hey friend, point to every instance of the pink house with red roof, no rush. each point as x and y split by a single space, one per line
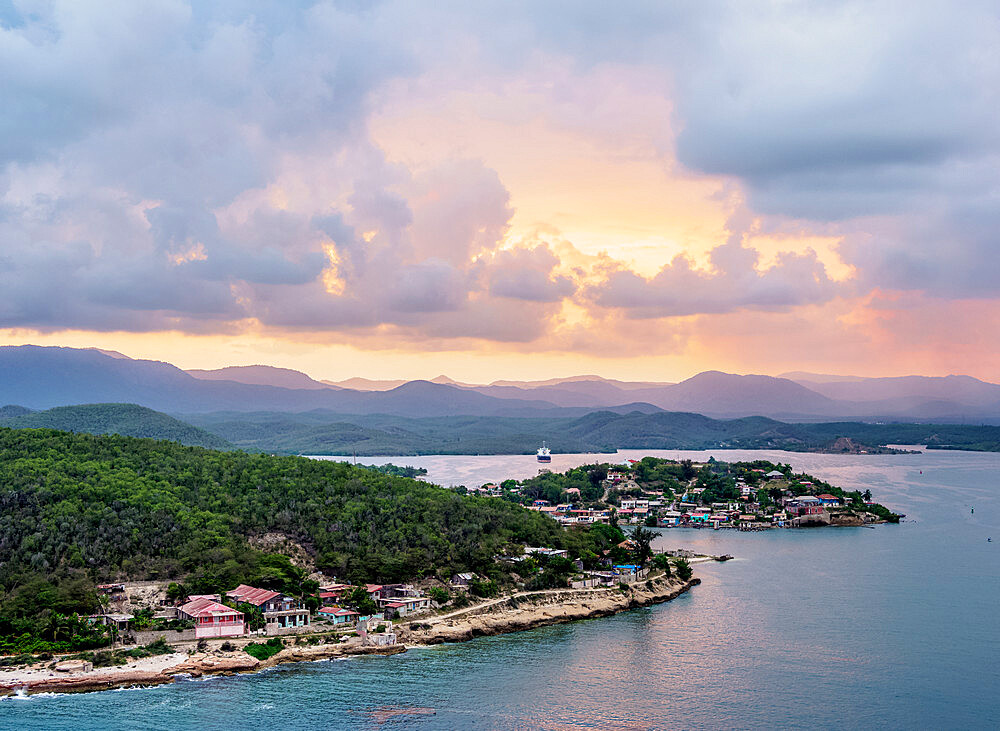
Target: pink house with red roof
212 619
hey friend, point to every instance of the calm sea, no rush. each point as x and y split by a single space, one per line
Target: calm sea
889 627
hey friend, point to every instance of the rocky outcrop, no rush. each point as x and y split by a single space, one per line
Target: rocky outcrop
544 609
198 665
309 653
86 683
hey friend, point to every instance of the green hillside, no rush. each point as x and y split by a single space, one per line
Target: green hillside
76 509
126 419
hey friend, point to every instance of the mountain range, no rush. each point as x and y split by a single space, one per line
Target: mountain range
45 377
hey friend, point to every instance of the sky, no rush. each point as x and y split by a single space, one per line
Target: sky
520 189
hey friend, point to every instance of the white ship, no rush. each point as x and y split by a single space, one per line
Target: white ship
543 454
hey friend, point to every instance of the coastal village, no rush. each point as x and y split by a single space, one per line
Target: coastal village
652 492
658 493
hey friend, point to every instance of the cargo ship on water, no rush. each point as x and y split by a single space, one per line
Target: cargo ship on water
543 454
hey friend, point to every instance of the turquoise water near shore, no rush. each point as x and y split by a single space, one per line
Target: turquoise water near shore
891 626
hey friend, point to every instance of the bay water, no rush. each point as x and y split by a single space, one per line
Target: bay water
893 626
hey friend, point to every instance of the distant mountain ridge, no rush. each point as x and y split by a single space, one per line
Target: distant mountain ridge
44 377
261 375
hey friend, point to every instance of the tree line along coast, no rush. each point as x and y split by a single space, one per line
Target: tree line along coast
109 538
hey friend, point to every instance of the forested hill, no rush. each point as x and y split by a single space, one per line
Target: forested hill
79 507
126 419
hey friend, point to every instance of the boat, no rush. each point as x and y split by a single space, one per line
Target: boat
543 454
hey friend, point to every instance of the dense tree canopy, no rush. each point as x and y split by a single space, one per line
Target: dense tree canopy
78 506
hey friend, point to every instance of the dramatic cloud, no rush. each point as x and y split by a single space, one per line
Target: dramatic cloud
397 173
733 283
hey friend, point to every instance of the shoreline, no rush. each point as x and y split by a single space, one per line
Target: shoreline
516 613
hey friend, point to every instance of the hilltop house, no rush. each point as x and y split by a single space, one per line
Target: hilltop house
400 600
212 619
279 611
115 592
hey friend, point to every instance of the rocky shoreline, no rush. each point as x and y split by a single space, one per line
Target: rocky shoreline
543 608
514 614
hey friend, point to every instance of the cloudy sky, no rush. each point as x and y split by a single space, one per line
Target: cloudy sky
505 190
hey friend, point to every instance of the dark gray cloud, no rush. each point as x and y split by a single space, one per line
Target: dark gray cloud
152 156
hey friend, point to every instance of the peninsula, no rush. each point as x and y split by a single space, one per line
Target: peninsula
135 561
664 493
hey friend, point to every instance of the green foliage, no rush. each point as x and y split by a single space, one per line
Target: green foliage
129 508
683 569
439 594
126 419
360 601
264 650
662 561
253 618
485 589
396 470
642 540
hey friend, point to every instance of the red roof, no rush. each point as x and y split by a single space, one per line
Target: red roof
204 607
828 497
371 588
339 611
252 595
395 605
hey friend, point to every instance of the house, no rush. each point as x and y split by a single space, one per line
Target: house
404 606
279 611
339 615
264 599
210 597
775 475
670 517
117 621
828 499
804 505
115 592
462 579
212 619
328 595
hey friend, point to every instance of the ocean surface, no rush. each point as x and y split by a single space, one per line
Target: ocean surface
888 627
